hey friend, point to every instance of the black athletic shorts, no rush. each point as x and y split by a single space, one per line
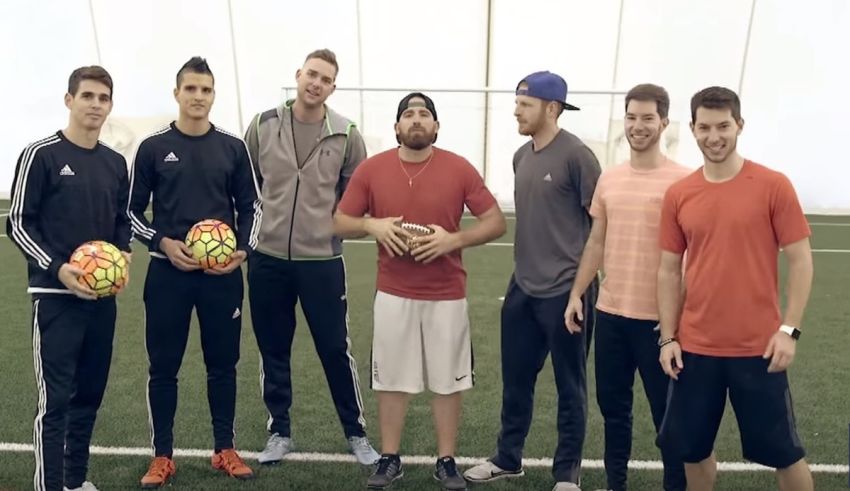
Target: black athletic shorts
761 401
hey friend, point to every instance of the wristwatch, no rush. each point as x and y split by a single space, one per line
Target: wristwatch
791 331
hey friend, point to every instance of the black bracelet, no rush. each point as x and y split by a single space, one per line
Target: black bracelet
664 342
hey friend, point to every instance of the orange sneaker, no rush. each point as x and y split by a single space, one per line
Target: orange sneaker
159 472
230 462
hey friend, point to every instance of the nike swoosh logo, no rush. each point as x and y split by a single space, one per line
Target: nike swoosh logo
458 379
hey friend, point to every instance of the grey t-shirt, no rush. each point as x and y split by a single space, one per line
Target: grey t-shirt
306 138
552 192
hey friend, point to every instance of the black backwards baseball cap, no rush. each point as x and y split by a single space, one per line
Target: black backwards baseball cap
406 103
547 86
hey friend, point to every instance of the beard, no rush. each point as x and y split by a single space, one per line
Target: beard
717 158
640 146
417 138
531 127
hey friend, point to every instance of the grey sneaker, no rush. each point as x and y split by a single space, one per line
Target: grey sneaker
566 486
276 447
388 470
445 471
362 449
86 486
489 471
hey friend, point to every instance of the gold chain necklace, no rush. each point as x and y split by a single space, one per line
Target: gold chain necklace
409 177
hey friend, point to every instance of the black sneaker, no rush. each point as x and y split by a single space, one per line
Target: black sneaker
445 471
387 470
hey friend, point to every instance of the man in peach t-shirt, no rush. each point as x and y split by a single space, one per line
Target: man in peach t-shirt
727 334
626 211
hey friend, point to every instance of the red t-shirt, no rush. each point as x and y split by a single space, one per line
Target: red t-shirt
732 232
379 187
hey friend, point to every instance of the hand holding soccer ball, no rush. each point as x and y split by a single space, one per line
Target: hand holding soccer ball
96 269
212 244
179 254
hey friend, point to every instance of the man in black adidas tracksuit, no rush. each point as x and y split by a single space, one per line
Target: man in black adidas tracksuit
69 188
195 171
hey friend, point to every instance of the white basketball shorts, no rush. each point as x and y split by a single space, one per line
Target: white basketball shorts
421 342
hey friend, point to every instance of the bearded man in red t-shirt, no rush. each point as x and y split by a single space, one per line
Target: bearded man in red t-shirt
415 197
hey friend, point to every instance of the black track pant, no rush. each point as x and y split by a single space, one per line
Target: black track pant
275 286
72 350
170 295
533 328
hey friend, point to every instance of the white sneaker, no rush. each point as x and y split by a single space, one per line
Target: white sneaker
86 486
489 471
276 447
362 450
566 486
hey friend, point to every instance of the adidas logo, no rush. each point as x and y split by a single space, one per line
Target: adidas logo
236 313
67 171
547 177
171 158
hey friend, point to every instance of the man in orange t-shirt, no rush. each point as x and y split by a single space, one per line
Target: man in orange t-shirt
421 323
626 211
726 334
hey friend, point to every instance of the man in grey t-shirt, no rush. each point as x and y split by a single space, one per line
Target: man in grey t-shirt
556 175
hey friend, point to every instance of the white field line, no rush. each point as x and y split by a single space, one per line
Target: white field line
417 459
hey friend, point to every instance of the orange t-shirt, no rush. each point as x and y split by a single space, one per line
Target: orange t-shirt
630 201
437 195
732 232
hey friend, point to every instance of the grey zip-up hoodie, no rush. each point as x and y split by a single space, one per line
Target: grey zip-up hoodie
298 204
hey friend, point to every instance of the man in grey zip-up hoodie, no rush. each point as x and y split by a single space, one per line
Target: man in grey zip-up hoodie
305 154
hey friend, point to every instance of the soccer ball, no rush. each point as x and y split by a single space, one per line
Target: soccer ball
212 243
104 265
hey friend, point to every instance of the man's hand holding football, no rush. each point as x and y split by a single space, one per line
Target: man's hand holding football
430 247
388 232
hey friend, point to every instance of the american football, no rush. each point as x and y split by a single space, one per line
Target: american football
415 230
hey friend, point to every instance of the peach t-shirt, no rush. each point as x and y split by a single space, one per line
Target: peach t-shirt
630 200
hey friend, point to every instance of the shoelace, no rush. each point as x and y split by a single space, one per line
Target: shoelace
448 468
159 467
277 441
232 460
384 465
360 443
